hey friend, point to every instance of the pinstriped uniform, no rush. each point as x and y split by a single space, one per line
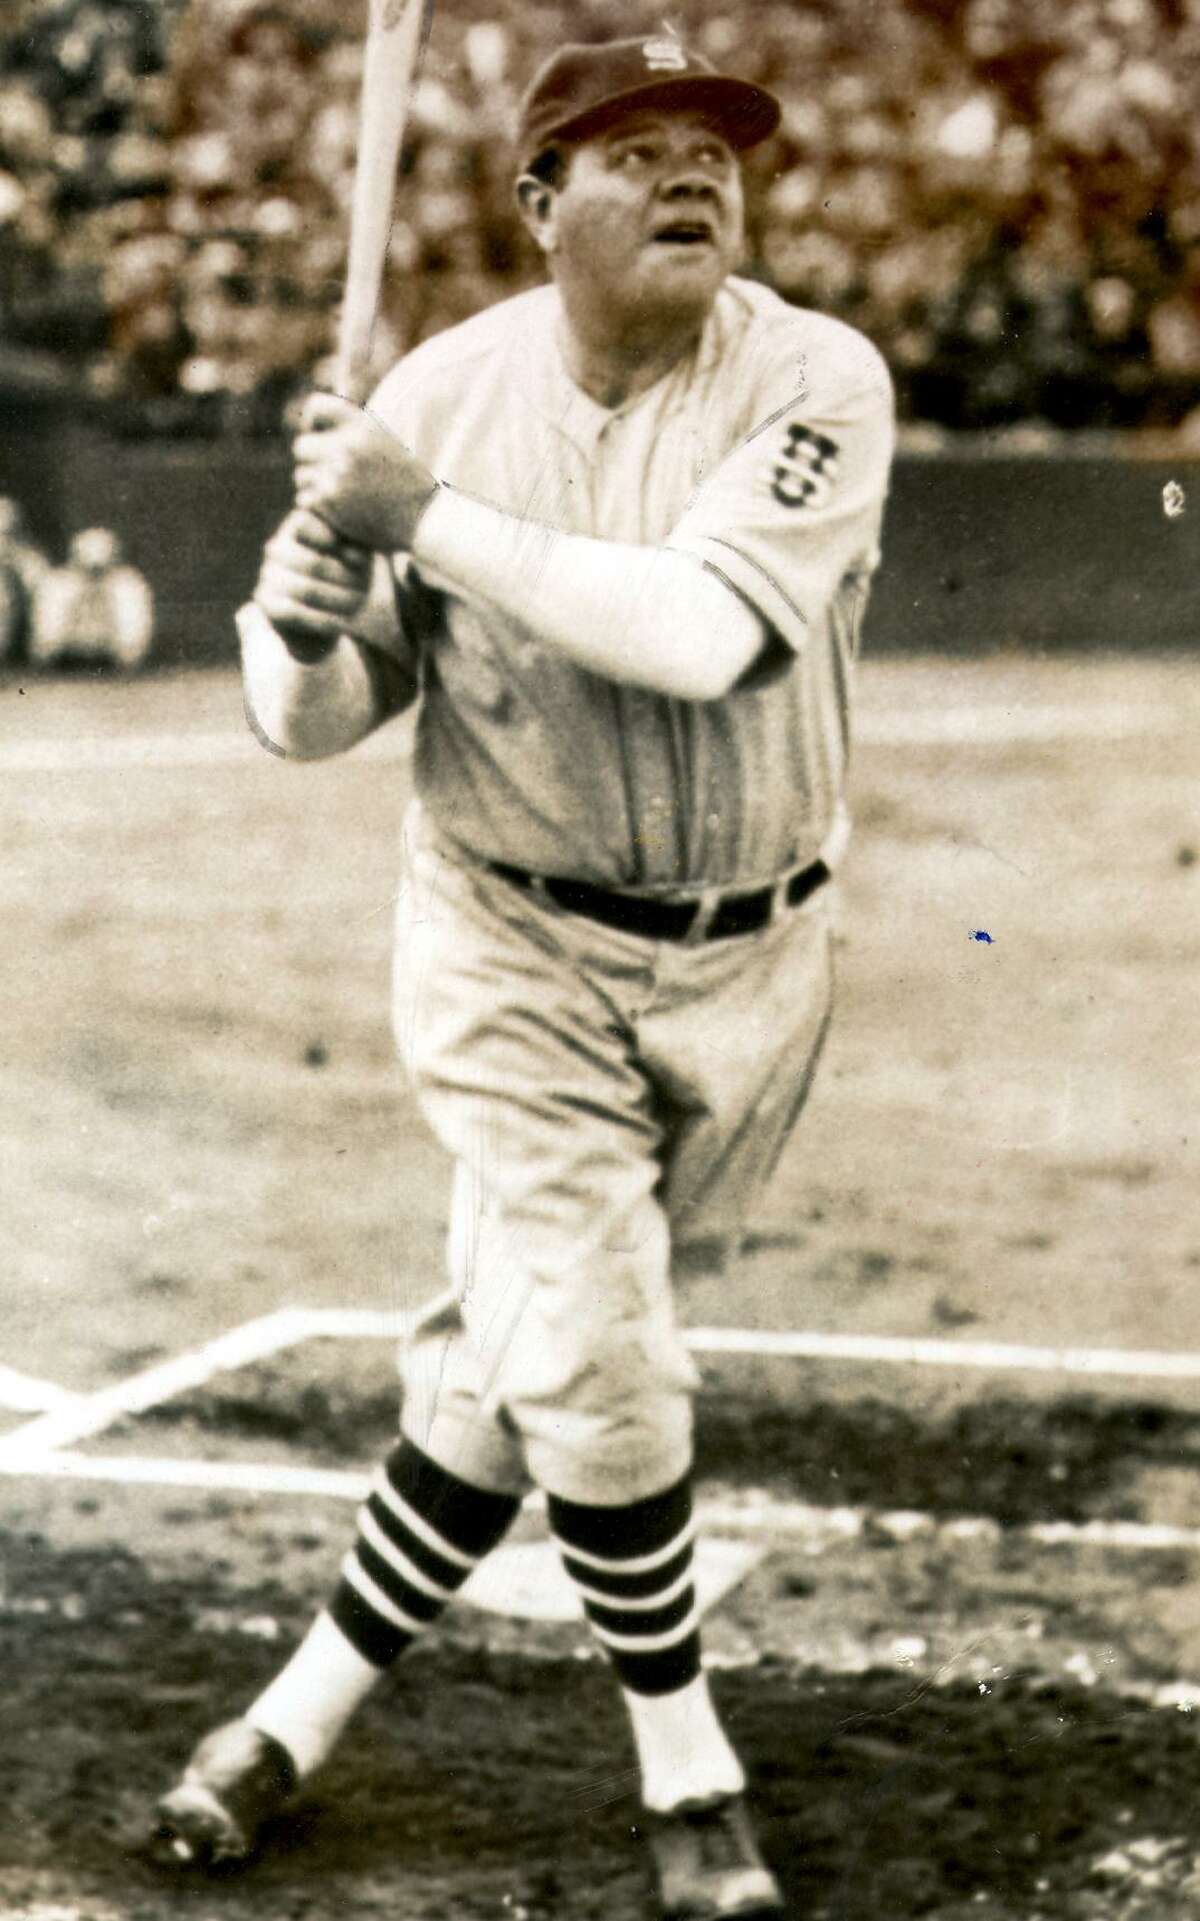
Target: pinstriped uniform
604 1094
766 453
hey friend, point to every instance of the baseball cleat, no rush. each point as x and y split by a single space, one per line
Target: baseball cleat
708 1864
237 1779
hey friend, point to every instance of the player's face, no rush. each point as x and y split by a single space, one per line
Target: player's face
649 217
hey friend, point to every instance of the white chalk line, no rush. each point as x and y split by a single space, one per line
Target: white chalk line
801 1344
23 1394
87 1415
964 725
79 1417
43 1448
998 1355
786 1520
215 1477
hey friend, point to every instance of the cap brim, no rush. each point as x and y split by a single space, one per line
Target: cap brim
744 114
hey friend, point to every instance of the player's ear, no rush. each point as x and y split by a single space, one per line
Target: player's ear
537 202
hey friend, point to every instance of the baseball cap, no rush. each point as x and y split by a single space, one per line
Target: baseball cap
581 90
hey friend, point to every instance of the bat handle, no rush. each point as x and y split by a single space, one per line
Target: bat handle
352 381
353 378
309 648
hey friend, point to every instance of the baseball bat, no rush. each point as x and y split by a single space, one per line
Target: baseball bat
397 32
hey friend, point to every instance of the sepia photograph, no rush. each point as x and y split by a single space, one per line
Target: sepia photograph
600 859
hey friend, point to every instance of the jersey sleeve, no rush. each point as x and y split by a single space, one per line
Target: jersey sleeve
53 610
798 504
133 607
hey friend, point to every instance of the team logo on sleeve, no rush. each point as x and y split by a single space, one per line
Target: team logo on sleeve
806 469
665 55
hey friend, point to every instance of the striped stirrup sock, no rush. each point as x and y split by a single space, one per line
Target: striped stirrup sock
421 1531
633 1569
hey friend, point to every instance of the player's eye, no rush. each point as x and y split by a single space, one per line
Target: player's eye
640 154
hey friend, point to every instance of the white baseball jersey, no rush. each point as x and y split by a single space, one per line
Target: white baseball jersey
110 617
765 453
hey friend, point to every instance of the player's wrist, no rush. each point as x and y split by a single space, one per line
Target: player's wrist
429 507
459 537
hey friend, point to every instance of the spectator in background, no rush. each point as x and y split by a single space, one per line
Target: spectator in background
1004 194
96 611
80 130
23 566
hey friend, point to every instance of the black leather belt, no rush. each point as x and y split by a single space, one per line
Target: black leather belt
668 919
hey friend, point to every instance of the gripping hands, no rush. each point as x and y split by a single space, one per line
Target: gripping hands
358 475
359 491
313 585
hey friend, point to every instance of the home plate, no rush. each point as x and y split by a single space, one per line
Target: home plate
528 1581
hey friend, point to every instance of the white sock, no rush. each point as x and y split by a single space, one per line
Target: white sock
682 1748
310 1700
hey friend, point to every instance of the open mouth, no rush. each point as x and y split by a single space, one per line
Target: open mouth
685 233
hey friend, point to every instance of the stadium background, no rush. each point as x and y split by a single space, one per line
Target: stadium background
1006 198
949 1713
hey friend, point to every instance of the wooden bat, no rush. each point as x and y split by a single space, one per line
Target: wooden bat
397 32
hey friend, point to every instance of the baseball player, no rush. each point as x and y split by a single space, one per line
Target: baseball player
630 521
96 611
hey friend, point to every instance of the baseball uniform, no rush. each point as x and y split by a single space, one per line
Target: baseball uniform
613 969
94 609
605 1092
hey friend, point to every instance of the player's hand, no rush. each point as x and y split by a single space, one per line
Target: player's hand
313 585
358 476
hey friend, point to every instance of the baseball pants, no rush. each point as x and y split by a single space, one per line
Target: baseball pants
603 1096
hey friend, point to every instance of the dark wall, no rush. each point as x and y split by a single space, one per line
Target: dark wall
192 514
1045 551
981 551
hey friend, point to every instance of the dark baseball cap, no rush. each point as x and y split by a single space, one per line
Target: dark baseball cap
582 90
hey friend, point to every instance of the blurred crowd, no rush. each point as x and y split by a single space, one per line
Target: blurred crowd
1004 194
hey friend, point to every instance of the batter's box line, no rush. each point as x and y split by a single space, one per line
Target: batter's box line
84 1416
361 1324
81 1417
24 1394
44 1448
815 1528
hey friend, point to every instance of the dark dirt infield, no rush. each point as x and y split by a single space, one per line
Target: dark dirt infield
487 1784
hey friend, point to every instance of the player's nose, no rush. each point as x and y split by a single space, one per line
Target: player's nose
689 179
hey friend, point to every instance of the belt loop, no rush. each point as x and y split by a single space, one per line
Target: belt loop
779 897
706 907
